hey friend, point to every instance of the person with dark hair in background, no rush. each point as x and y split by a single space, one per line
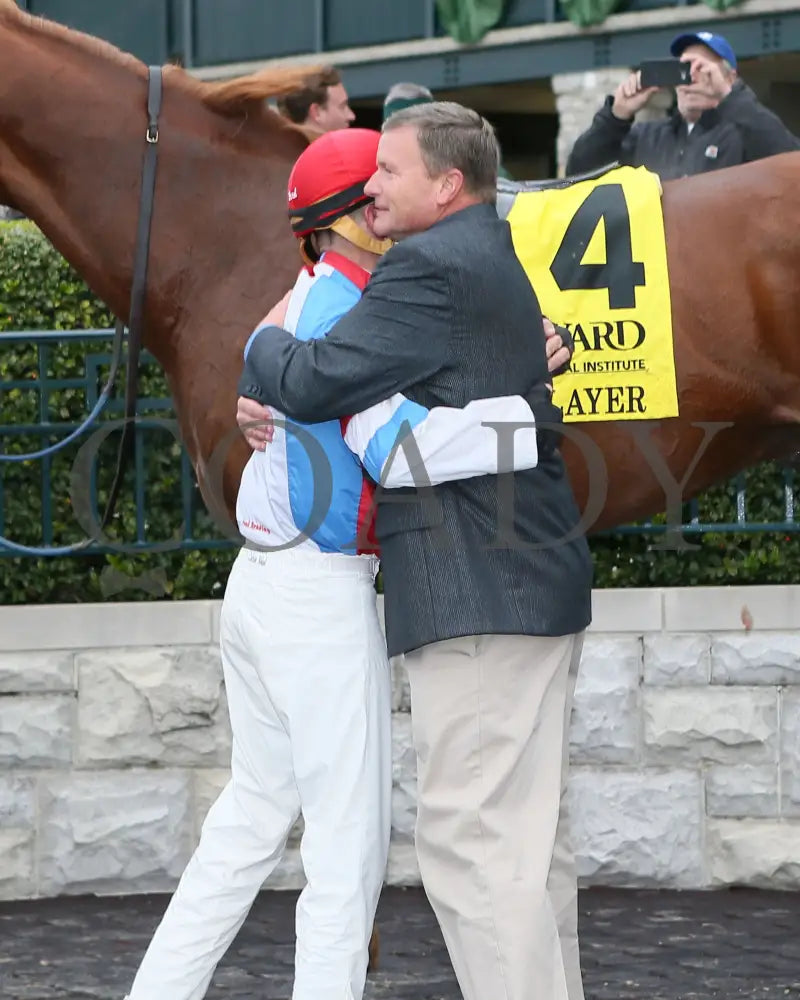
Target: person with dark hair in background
322 105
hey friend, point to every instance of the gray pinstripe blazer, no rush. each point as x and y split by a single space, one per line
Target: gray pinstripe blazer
448 316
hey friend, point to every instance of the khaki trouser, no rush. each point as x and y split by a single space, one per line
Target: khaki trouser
490 717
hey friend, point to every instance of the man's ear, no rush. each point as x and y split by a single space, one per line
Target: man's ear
313 112
451 185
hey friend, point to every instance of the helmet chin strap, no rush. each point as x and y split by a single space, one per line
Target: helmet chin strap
350 231
353 233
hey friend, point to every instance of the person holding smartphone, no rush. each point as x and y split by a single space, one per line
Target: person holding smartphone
717 120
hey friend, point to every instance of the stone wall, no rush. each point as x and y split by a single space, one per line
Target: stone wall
114 741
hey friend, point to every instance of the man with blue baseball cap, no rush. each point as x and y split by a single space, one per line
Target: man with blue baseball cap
717 120
719 45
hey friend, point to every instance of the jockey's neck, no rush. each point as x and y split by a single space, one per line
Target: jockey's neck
357 255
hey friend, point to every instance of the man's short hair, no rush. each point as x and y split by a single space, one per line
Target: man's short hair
405 95
452 136
296 105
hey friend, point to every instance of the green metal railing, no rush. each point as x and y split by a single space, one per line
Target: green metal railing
39 407
693 524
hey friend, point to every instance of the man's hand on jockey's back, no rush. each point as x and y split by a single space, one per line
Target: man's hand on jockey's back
255 420
558 345
255 423
277 314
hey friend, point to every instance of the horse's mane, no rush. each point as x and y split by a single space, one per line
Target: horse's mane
228 97
9 11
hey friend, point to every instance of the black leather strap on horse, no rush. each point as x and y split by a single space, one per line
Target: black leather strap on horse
138 287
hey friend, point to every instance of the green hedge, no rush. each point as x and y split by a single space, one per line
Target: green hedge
38 290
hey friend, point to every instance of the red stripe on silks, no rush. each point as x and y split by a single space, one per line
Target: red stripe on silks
367 543
352 271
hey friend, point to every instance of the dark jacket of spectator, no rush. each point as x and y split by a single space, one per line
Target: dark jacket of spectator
738 130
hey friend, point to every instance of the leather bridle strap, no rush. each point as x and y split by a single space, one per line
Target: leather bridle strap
138 287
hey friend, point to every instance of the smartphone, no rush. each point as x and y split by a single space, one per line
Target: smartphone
665 73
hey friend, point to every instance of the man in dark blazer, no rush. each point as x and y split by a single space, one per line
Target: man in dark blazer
487 581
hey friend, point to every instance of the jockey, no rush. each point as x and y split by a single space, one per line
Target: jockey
306 670
329 216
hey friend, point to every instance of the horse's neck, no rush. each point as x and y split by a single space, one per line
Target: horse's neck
70 154
72 142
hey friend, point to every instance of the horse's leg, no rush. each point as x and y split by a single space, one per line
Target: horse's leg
374 949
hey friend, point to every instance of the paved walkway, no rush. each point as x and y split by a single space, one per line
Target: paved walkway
637 945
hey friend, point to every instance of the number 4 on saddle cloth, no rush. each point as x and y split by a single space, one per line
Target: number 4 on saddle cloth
594 250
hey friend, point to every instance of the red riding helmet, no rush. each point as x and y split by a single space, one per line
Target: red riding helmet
327 184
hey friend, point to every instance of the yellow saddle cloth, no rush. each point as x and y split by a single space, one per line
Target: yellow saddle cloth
596 256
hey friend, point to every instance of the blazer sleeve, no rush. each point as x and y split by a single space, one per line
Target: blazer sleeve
395 336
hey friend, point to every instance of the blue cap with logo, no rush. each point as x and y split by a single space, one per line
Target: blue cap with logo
716 43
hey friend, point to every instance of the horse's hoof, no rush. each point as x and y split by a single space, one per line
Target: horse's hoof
374 949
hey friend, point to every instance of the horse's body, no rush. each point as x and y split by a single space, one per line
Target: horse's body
72 128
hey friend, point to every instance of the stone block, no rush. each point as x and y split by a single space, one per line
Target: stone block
37 672
403 868
742 790
164 706
17 800
756 658
676 659
635 610
595 82
404 780
215 611
17 864
36 730
17 837
401 692
117 831
605 719
714 724
790 753
111 624
760 853
637 828
726 609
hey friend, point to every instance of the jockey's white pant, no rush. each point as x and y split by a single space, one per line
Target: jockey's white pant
308 687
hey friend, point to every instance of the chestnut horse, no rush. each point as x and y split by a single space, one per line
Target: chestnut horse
72 124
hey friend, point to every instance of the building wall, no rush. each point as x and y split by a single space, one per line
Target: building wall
114 742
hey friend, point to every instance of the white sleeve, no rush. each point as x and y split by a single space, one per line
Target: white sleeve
401 443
